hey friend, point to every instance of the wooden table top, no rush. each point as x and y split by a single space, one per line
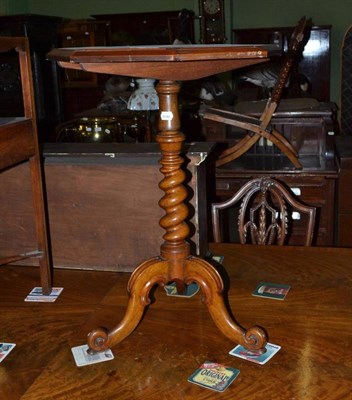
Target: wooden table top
186 62
313 324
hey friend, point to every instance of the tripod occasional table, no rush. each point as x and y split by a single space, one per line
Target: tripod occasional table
169 65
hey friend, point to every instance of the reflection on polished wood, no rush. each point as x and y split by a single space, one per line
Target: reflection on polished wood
175 263
313 326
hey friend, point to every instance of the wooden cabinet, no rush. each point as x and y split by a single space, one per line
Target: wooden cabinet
308 125
81 90
143 28
103 203
344 211
82 33
76 99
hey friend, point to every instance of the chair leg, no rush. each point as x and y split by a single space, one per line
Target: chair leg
41 223
284 141
255 133
237 150
248 141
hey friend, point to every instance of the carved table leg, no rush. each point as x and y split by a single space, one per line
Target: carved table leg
148 274
175 263
209 280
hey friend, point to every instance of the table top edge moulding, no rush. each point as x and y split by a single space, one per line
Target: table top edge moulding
202 60
170 64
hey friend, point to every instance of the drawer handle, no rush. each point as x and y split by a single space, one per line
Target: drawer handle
223 186
296 190
296 215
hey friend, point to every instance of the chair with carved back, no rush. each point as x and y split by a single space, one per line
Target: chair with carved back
19 144
265 214
257 128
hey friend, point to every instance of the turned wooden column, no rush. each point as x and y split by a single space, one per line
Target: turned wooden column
175 248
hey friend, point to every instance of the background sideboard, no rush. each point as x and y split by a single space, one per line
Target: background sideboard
103 204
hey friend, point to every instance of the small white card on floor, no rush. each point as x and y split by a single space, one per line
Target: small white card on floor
218 259
5 349
36 295
82 357
258 358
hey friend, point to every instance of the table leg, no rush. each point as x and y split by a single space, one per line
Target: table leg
175 264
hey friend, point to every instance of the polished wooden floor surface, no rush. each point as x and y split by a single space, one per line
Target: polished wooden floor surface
313 326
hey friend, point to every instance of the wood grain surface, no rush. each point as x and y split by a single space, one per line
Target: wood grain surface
312 325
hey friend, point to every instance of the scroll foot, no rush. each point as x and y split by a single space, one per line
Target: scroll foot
142 280
200 271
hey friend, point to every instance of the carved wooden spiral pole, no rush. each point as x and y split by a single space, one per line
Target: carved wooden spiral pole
175 249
